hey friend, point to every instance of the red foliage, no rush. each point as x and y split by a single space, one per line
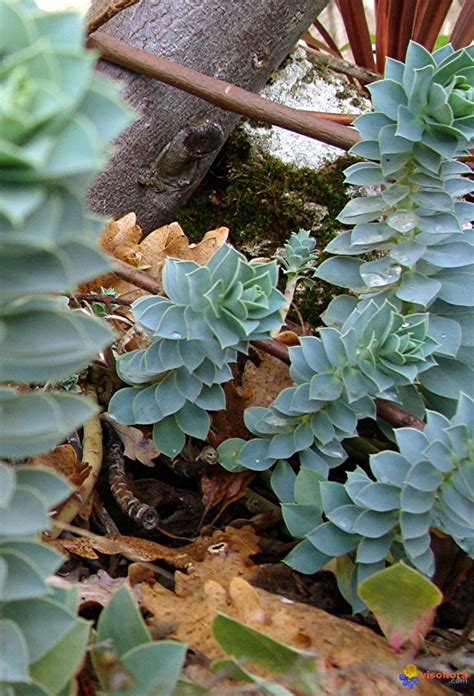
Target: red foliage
396 23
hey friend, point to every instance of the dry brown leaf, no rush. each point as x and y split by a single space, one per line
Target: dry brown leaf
349 658
227 555
133 548
180 248
121 238
98 588
62 459
137 447
266 381
78 546
230 421
171 241
223 487
153 249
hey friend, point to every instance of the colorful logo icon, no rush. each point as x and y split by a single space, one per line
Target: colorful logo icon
409 677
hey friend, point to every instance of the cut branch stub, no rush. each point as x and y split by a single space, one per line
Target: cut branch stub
181 160
240 42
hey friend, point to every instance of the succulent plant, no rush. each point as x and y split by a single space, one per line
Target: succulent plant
336 378
423 120
38 625
210 313
428 483
57 117
297 257
131 661
297 262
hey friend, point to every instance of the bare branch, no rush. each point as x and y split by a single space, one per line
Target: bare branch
396 416
104 298
139 278
386 410
110 11
364 75
220 93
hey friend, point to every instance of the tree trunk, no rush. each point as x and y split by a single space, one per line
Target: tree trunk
163 156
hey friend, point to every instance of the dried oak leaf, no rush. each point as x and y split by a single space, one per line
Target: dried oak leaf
63 459
137 447
230 421
121 238
264 382
134 549
227 554
349 658
171 240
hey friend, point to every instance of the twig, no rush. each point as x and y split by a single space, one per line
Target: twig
222 94
113 9
465 636
386 410
364 75
93 297
91 455
139 278
275 348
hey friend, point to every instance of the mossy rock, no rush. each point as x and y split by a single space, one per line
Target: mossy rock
262 200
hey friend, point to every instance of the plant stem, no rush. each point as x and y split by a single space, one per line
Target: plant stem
291 282
397 416
92 455
275 348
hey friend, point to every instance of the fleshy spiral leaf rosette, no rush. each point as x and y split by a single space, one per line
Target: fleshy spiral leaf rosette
428 483
29 654
57 120
417 222
57 116
336 378
210 313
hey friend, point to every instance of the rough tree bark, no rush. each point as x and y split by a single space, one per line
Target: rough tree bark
164 155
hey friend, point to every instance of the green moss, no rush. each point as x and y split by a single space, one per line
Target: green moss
263 200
